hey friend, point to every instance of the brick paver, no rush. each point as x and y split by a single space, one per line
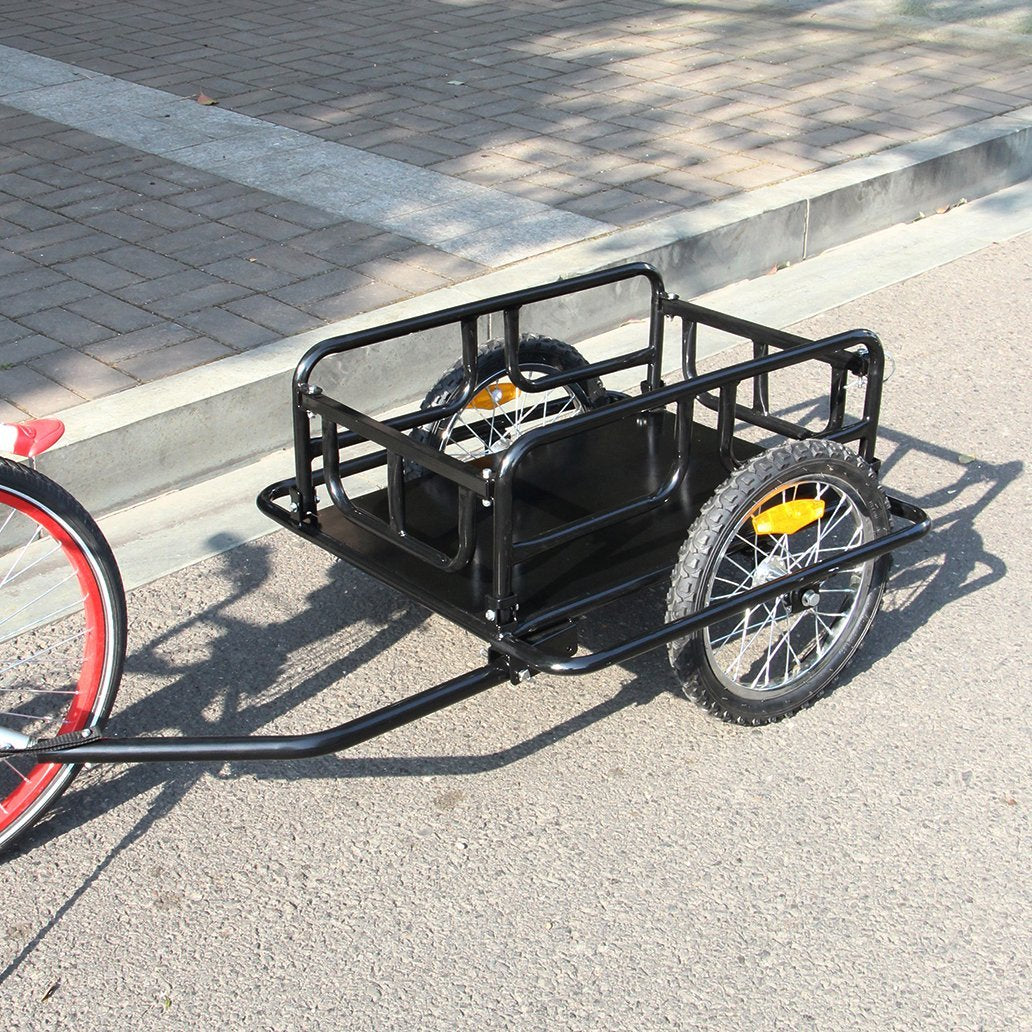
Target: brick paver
621 111
152 287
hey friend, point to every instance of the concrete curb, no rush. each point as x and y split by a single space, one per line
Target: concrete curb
182 526
176 431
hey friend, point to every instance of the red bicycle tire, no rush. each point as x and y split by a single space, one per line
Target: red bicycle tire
72 547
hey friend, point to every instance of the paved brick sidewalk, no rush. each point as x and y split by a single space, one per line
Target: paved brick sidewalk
119 266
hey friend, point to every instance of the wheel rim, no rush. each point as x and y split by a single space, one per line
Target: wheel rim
499 412
774 647
54 647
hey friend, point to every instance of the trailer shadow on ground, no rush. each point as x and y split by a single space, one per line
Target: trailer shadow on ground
248 677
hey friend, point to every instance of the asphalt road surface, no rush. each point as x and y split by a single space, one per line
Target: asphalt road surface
588 854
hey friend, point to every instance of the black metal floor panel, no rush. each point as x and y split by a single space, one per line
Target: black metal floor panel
586 473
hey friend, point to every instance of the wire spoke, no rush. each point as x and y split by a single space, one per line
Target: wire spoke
505 420
772 651
736 586
769 647
748 573
43 594
24 689
35 657
12 576
20 716
740 628
7 763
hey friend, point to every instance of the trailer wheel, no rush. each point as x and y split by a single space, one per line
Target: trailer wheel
498 412
790 507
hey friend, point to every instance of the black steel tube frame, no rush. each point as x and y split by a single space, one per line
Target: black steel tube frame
866 359
857 351
507 551
918 524
498 484
868 362
465 315
285 747
511 655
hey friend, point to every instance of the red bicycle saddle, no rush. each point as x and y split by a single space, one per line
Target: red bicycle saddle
30 438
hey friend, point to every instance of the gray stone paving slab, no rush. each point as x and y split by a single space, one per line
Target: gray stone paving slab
175 358
365 187
158 255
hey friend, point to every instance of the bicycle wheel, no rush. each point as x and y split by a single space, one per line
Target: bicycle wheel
788 508
62 634
498 412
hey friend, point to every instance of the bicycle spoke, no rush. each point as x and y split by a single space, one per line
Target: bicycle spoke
43 594
20 716
769 647
504 422
12 576
17 559
36 656
15 769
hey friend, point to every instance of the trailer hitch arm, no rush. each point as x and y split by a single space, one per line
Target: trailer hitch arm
269 747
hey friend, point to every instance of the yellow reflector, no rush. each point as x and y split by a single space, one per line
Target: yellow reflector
788 517
493 396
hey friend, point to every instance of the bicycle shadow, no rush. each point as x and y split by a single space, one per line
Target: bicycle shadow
245 654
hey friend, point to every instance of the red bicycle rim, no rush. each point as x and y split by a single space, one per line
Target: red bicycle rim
42 775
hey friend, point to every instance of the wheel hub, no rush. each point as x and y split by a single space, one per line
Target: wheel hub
770 569
805 598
